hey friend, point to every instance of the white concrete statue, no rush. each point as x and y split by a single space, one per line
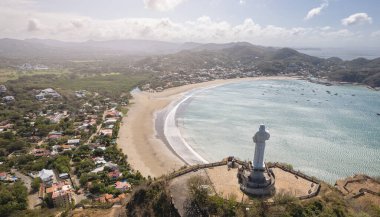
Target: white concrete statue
259 139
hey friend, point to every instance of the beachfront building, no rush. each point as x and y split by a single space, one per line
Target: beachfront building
106 132
113 113
122 186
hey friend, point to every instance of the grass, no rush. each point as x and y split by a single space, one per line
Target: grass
111 85
7 74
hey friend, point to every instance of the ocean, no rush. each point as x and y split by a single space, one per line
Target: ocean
343 53
329 132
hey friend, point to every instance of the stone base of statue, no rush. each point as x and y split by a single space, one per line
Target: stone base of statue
256 182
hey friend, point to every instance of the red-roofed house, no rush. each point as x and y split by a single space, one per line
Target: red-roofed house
55 135
114 174
122 186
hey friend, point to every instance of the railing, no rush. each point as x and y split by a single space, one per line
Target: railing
194 168
243 163
309 178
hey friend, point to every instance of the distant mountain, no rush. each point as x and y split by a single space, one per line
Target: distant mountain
190 56
13 48
45 48
266 60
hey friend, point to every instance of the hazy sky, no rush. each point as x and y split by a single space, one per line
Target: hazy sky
312 23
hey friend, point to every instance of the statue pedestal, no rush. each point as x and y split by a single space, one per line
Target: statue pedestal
256 182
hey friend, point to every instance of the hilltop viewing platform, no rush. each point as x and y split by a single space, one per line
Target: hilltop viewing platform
224 181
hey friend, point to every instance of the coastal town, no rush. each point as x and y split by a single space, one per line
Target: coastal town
66 156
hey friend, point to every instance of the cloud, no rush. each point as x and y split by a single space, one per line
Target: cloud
376 33
162 5
242 2
29 22
33 25
358 18
316 11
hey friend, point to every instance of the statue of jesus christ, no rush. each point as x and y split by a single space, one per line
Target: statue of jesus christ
259 139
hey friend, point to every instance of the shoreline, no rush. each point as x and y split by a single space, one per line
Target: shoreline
139 138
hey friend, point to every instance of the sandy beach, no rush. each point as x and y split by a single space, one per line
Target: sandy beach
138 138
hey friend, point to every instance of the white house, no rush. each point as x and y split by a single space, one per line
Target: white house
46 175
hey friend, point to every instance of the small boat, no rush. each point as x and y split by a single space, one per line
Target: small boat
378 114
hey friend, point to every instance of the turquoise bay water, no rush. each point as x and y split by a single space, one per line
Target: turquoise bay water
325 131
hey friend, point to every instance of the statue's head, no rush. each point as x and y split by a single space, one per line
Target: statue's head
262 127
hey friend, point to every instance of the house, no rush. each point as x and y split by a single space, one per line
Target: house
3 89
39 152
6 177
48 92
113 113
99 161
3 176
101 199
80 93
55 149
108 196
110 165
110 121
105 198
66 147
46 175
114 174
63 176
73 141
56 118
106 132
55 135
8 99
96 170
110 126
102 148
34 139
6 126
40 97
122 186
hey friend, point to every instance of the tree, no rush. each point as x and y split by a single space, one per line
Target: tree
36 184
98 188
85 166
12 198
98 152
62 164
